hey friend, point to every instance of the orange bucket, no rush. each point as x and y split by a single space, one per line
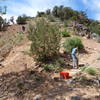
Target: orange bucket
64 75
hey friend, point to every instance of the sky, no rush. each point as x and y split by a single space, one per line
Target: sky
30 7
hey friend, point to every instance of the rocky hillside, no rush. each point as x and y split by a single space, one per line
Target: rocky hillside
22 78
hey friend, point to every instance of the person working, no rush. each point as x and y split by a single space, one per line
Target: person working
74 57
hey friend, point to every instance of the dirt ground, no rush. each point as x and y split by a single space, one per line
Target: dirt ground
93 53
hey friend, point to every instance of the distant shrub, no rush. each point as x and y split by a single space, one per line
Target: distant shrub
95 27
72 43
45 40
51 18
3 24
21 20
41 14
65 33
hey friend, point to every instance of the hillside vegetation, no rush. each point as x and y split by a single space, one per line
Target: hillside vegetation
79 21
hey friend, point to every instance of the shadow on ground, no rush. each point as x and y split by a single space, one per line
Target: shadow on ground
26 84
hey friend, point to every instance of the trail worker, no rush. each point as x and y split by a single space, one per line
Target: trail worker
74 57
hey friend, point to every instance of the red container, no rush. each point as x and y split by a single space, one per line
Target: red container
64 75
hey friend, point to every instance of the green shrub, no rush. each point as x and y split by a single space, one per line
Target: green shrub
72 43
89 70
65 34
45 40
21 20
98 58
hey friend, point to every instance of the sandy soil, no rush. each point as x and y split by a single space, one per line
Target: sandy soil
93 53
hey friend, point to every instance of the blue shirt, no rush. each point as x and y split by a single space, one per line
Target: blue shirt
74 51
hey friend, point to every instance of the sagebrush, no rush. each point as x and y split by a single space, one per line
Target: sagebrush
45 40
